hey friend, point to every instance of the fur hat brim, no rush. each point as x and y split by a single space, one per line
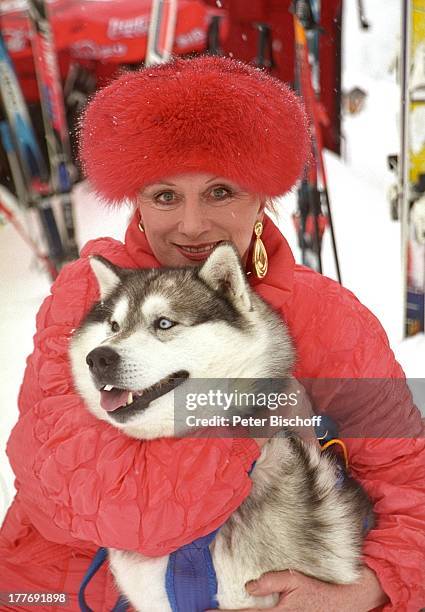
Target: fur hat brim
207 114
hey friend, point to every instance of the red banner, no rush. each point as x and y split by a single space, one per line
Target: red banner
106 31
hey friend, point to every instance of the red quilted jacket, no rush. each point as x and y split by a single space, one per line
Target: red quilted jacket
81 484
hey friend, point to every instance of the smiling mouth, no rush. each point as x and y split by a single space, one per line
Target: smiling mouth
121 404
199 248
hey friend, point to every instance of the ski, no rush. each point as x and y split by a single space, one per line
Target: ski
314 208
14 165
162 27
415 301
411 166
10 216
29 171
18 117
54 118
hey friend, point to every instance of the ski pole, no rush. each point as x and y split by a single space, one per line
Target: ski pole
303 15
325 195
362 17
308 194
264 58
213 36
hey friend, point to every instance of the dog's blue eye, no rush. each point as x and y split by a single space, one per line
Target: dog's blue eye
163 323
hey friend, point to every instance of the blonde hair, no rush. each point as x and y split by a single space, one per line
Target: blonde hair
272 206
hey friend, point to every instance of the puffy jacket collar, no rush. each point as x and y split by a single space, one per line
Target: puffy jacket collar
137 245
275 288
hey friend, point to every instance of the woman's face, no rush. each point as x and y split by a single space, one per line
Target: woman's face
185 216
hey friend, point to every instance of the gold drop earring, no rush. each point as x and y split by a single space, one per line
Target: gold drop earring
259 256
141 228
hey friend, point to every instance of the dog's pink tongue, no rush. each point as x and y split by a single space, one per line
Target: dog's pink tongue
111 400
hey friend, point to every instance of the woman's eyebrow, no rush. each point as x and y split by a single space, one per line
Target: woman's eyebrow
158 184
222 179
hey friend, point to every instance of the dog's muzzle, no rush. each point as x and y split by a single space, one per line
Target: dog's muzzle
122 403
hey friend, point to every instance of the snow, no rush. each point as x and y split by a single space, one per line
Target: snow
368 241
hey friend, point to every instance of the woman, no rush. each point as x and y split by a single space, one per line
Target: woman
200 147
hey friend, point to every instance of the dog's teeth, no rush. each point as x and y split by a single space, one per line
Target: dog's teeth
108 387
130 398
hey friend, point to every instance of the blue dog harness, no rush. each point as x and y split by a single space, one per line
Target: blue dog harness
99 558
190 580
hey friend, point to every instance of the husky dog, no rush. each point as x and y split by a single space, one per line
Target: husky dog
151 332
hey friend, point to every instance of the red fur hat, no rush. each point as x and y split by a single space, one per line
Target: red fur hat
207 114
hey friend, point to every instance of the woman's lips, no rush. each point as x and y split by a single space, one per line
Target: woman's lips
197 252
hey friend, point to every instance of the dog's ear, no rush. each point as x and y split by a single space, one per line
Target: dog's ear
223 272
107 275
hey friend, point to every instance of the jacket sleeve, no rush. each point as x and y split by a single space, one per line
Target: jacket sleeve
384 432
393 473
81 479
391 468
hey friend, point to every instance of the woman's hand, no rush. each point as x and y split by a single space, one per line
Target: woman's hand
300 593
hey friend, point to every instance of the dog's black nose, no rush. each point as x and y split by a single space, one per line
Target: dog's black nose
102 360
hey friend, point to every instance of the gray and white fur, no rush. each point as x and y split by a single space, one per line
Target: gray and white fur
171 325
